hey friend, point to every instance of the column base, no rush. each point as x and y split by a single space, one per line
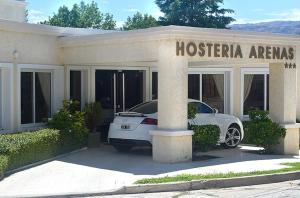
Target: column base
172 146
290 144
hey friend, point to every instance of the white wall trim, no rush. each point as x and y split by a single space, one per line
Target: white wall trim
6 65
40 66
52 69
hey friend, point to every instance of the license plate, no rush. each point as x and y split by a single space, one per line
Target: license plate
125 127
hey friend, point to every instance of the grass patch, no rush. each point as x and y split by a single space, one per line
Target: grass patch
188 177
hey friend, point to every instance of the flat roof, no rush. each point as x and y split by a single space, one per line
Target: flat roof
13 26
79 35
184 33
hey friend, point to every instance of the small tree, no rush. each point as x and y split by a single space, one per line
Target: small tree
82 16
93 115
194 13
140 21
71 124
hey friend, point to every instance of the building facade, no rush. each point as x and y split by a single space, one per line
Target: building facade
232 71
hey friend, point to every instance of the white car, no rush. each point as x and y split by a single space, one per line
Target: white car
132 128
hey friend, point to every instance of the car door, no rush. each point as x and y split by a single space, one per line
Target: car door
205 115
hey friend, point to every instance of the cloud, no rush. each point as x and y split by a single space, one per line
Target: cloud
157 13
131 10
258 10
286 15
104 1
120 24
35 16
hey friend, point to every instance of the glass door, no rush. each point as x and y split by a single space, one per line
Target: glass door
118 91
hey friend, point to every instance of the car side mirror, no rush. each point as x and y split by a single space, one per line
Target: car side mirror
215 111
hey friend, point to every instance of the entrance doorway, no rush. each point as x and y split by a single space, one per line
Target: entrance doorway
118 91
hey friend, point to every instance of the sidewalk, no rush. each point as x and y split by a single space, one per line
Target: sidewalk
104 169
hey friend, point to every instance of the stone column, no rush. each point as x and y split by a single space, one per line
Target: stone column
172 142
283 103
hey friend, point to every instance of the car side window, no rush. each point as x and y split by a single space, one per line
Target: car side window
203 108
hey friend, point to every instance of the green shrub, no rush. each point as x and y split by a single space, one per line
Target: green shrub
261 131
192 110
205 137
93 114
71 124
246 139
26 148
3 164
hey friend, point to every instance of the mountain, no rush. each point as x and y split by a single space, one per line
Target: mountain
282 27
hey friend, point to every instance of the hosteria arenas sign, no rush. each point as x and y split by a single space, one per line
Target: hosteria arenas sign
235 51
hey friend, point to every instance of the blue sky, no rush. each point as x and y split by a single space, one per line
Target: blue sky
246 11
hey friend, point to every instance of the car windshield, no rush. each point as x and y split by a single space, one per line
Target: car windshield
202 108
145 108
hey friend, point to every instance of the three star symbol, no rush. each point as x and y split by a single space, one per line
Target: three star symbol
290 66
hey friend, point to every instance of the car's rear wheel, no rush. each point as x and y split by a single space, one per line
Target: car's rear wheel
122 148
233 137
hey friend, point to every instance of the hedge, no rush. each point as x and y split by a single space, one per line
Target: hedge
205 137
3 164
20 149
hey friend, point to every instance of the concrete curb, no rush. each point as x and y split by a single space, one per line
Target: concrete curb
40 163
187 186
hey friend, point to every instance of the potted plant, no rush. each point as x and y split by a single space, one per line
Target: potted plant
93 115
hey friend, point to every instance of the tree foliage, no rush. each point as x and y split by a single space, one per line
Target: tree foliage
82 16
194 13
140 21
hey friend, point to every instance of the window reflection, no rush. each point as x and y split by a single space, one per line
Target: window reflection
253 92
213 91
35 97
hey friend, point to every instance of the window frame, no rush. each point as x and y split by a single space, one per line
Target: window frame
253 71
34 71
228 73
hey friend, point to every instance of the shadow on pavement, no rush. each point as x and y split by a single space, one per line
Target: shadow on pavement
139 161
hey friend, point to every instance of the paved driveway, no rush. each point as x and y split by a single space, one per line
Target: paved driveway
104 169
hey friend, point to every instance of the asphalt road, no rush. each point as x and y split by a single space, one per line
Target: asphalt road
289 189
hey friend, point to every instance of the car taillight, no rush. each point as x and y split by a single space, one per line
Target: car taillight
149 121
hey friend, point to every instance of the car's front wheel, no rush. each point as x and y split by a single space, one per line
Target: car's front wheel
122 148
233 137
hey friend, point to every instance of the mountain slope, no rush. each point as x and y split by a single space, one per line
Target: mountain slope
282 27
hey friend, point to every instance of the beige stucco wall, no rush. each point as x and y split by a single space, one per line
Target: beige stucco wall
13 10
110 53
31 48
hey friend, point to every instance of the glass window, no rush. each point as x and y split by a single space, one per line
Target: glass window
209 88
42 96
254 92
75 85
26 97
35 97
194 86
134 88
213 91
154 85
146 108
